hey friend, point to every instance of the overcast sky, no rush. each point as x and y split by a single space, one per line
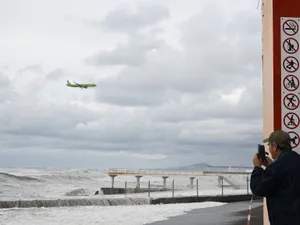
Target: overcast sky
178 82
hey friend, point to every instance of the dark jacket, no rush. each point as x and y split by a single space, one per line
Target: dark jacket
280 184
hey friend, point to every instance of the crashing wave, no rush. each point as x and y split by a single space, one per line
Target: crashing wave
78 192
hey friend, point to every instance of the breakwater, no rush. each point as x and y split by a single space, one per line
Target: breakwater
74 202
120 201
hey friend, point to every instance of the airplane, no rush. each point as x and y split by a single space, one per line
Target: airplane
80 85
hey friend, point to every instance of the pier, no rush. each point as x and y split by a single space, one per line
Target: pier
114 172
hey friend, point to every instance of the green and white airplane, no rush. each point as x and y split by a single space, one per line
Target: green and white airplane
76 85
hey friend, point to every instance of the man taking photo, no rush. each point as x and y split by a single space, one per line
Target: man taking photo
279 182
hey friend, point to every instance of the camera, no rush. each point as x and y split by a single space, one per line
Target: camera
262 153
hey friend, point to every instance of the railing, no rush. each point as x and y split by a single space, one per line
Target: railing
209 186
224 172
128 172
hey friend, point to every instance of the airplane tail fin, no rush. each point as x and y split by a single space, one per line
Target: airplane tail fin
68 82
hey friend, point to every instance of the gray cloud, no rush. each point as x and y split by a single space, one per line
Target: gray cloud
55 74
126 19
167 106
209 65
131 54
7 94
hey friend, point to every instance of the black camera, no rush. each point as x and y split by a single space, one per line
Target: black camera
262 153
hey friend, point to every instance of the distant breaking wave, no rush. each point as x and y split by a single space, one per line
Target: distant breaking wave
41 177
65 176
20 178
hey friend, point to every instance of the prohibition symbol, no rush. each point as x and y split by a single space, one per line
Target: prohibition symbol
291 83
290 27
295 139
291 120
291 101
291 64
290 46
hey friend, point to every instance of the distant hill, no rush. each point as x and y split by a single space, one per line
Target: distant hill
191 168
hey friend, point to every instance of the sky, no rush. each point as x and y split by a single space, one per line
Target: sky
178 83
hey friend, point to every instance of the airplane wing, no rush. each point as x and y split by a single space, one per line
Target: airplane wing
77 84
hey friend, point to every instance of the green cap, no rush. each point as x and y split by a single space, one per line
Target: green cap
280 137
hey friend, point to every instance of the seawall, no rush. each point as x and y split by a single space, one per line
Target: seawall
121 201
74 202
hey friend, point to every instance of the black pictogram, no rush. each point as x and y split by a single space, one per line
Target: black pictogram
295 139
291 64
290 45
290 27
291 83
291 101
291 120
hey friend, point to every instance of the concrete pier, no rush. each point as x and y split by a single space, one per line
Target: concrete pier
119 191
165 182
138 182
192 182
112 180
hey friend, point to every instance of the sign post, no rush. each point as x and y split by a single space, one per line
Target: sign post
281 70
290 58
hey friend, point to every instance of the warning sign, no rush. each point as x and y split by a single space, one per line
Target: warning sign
291 101
290 64
290 27
290 45
295 139
291 120
291 83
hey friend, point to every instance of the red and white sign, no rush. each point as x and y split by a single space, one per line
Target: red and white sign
291 121
295 138
290 78
291 83
290 27
290 45
291 64
291 101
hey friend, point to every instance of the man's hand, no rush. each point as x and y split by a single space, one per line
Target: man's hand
266 164
257 161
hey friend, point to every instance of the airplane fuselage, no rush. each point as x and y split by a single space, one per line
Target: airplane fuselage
76 85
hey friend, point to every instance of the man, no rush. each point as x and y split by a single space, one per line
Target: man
280 181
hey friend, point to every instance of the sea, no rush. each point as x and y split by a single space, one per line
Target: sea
51 186
49 183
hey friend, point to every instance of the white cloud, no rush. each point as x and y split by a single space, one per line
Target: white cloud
234 97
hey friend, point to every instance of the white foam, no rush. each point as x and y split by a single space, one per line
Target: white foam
114 215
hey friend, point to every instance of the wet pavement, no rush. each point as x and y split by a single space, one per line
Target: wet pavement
229 214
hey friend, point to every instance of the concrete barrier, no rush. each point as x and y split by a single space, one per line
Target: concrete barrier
47 203
191 199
